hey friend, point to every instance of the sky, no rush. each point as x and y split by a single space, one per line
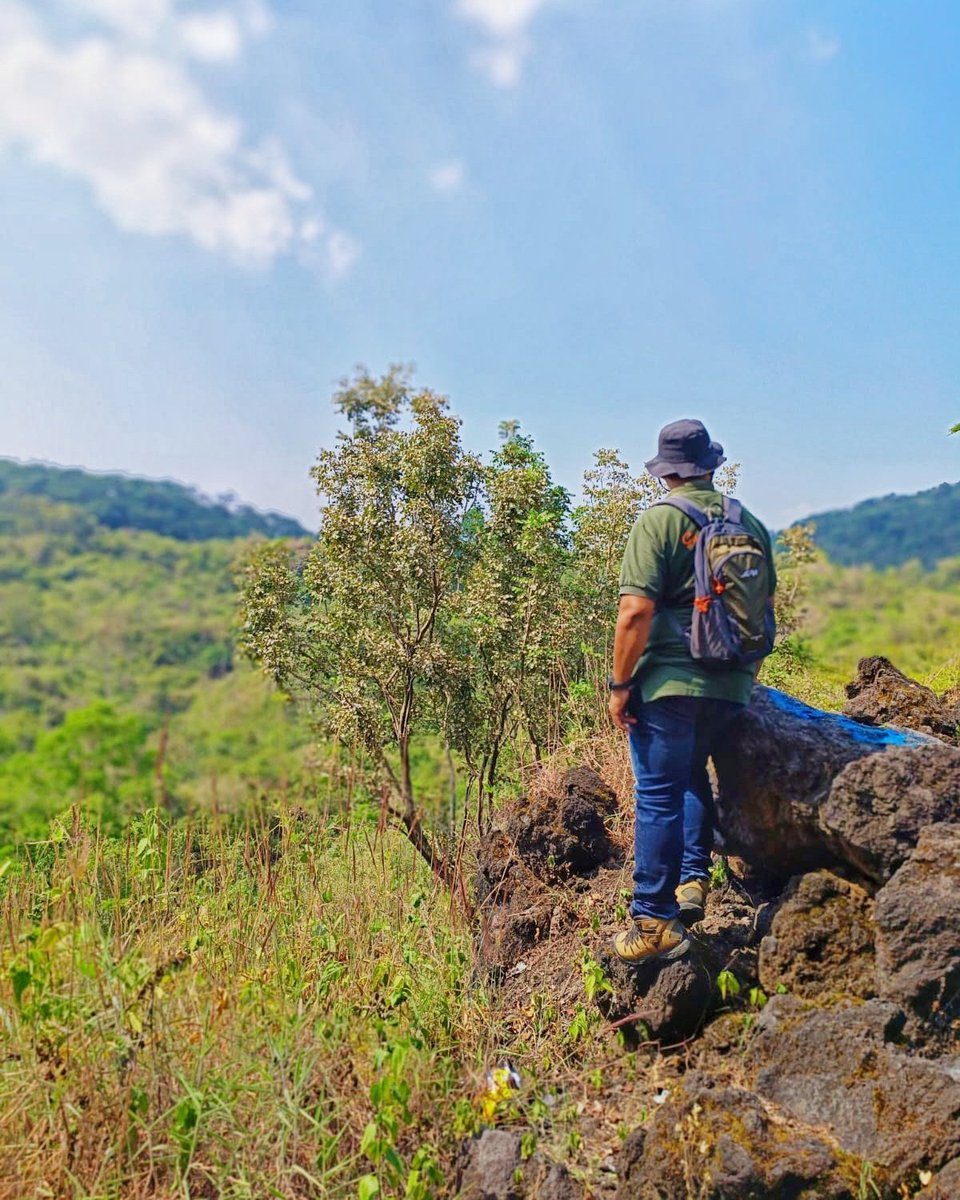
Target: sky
591 216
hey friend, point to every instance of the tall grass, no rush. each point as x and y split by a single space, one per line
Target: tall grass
283 1007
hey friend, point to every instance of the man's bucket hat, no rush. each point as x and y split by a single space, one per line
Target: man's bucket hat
685 449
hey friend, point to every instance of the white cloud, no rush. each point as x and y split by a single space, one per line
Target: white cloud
505 24
211 36
118 109
822 47
447 178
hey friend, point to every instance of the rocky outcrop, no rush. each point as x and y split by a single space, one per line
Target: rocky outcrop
882 695
776 769
878 805
731 1144
840 1069
845 912
801 789
918 932
821 940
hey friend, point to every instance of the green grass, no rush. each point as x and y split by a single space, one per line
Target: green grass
910 615
275 1008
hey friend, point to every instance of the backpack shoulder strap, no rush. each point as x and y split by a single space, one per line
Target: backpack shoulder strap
732 510
693 511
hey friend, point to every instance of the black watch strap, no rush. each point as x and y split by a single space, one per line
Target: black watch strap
619 687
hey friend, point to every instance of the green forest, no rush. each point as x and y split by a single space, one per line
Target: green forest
894 530
244 773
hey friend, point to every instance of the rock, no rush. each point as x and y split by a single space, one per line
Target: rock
726 1141
775 770
560 831
882 695
554 1182
672 999
821 940
837 1068
489 1165
946 1183
918 930
878 805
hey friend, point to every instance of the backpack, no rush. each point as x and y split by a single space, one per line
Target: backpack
733 623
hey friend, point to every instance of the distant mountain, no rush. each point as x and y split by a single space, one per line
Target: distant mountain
123 502
891 530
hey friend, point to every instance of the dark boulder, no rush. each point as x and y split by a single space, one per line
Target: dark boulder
775 770
821 940
918 931
840 1069
559 831
725 1140
882 695
671 999
878 805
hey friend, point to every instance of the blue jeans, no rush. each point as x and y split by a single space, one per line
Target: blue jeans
669 746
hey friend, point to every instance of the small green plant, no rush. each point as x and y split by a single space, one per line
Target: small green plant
595 981
719 872
728 984
757 997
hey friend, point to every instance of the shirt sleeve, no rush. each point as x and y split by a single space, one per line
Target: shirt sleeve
643 570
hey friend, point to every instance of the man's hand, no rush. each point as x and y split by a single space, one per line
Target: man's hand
619 709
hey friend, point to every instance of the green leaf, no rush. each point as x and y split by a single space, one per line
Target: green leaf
368 1186
21 978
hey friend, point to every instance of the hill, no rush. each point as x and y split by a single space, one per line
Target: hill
892 530
119 682
124 502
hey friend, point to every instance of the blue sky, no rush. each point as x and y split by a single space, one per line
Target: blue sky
591 215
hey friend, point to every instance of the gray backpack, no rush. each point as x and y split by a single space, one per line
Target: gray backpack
733 623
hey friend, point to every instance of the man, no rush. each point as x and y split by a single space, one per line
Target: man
672 706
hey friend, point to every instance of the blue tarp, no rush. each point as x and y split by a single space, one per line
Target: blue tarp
877 736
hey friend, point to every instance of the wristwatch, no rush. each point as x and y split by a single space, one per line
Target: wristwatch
619 687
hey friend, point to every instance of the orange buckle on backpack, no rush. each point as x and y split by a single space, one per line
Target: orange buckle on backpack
689 538
702 603
719 586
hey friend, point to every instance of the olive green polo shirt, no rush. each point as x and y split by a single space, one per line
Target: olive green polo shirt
658 564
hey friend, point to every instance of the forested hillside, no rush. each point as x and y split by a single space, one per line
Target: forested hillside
891 530
119 683
123 502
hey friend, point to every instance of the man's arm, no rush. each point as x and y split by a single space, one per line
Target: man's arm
634 617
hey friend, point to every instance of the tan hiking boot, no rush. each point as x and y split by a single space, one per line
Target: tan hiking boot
692 898
648 938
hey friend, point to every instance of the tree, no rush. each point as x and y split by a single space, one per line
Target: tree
955 428
512 627
355 627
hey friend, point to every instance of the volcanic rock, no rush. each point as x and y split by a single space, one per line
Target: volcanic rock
918 930
821 940
878 805
672 999
837 1068
775 770
727 1140
882 695
559 832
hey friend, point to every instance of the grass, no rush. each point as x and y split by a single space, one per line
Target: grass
280 1008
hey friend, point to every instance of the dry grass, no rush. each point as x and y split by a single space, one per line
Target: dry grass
273 1010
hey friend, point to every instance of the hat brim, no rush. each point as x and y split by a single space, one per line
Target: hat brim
659 467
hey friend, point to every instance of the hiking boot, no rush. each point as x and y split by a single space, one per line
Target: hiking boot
692 898
649 938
